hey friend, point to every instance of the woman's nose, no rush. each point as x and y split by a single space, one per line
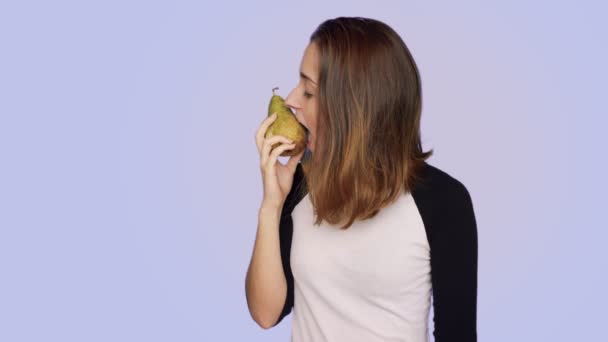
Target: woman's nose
289 102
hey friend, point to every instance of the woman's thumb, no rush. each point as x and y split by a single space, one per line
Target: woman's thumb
293 161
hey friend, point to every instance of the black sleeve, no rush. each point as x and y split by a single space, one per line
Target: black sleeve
285 236
454 265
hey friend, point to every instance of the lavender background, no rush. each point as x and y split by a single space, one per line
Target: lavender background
130 184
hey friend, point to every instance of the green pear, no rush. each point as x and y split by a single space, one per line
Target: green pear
286 125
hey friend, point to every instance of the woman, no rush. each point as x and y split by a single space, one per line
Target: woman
357 238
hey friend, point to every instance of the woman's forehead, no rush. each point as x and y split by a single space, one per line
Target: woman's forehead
309 65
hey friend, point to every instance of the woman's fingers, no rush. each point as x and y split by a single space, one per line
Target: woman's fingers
293 161
277 151
268 144
259 135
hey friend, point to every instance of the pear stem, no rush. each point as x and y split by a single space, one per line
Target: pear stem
273 89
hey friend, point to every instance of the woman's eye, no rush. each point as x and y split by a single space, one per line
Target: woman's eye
307 95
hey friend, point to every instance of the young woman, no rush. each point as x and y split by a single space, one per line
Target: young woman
358 237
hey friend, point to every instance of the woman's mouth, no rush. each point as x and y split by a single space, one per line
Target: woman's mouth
307 133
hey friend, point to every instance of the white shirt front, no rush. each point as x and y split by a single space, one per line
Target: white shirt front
370 282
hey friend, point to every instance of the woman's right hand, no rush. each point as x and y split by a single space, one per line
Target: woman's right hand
277 178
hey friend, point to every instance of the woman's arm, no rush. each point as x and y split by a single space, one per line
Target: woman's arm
269 281
454 266
265 284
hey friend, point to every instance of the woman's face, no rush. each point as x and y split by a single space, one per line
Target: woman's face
303 98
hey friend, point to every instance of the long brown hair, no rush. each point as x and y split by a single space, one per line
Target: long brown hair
367 149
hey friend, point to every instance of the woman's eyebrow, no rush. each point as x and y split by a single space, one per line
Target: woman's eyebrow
303 75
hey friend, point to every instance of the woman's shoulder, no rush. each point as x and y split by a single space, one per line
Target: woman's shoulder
439 184
297 192
444 202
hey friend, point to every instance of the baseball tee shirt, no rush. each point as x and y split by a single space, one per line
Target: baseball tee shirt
374 281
